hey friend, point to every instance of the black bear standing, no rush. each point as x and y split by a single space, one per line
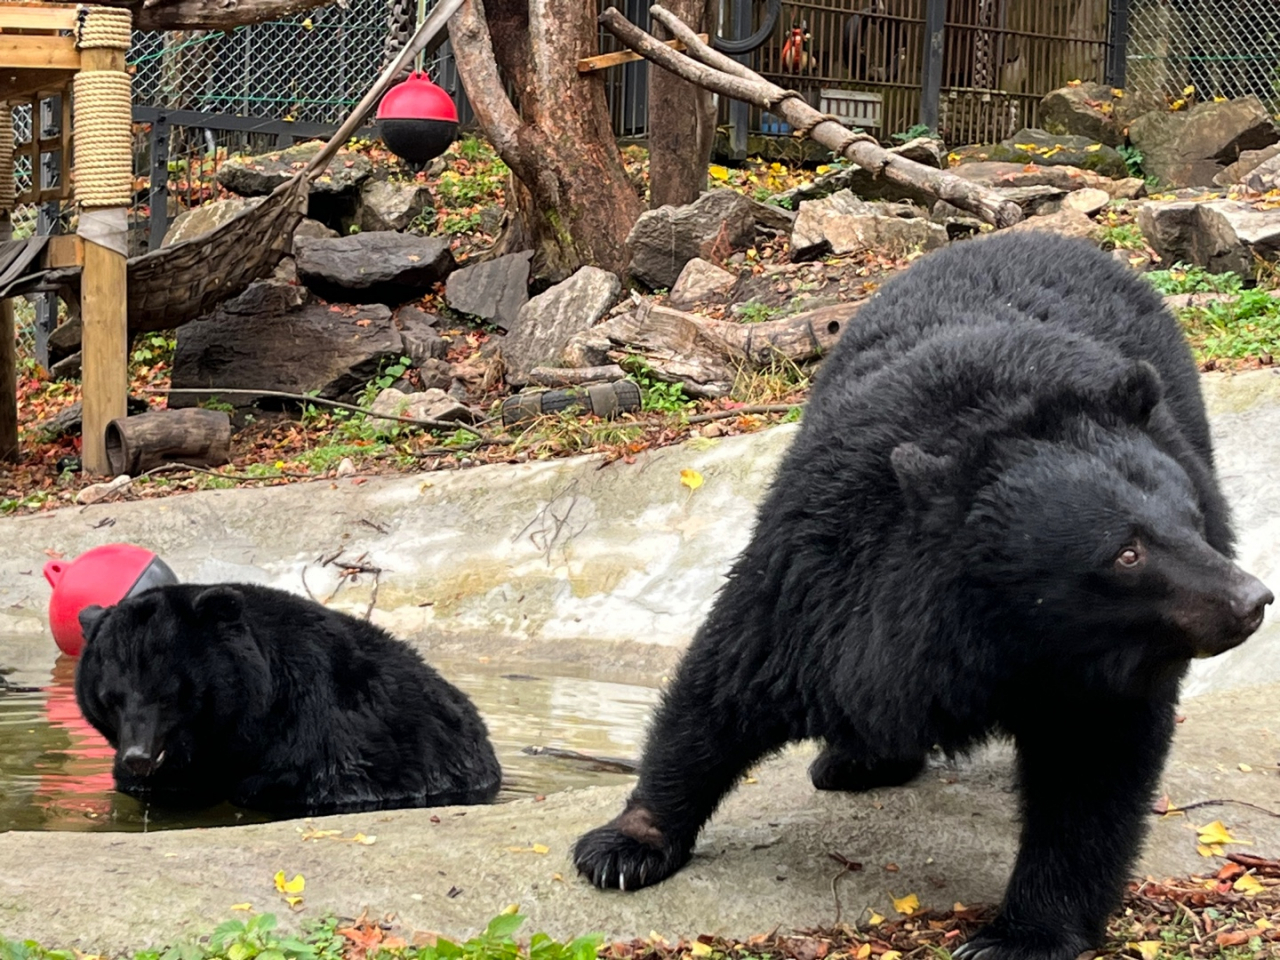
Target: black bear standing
254 695
1000 514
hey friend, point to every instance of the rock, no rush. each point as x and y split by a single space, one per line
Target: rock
309 229
493 290
286 270
1066 223
1087 110
587 349
1035 201
97 492
377 267
313 347
395 205
1249 161
1191 148
265 298
200 220
69 367
434 374
257 176
345 468
772 217
1219 235
427 405
664 240
549 321
924 150
1088 201
1030 145
1264 177
700 281
1001 174
67 421
842 223
418 333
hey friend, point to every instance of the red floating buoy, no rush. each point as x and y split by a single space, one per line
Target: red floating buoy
104 576
418 119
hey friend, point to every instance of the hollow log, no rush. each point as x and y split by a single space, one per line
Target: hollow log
200 438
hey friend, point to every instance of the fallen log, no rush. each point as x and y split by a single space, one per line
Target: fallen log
575 376
714 71
193 436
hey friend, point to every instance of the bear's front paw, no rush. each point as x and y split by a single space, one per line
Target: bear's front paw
612 858
1002 940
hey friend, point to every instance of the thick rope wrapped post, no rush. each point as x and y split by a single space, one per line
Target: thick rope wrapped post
104 190
8 189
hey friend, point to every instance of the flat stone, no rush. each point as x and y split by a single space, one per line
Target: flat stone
209 216
266 298
257 176
700 281
430 404
386 268
1088 201
550 320
1066 223
713 226
422 341
843 224
309 229
492 290
395 205
1031 145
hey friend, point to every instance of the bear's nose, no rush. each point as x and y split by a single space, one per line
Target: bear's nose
1249 601
138 761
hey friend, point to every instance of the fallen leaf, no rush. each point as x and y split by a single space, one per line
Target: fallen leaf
1209 851
718 172
875 919
1215 833
242 906
1233 938
413 258
1248 885
293 902
1189 89
541 848
700 949
1262 923
863 952
1147 949
891 955
361 839
296 885
1245 768
908 904
691 478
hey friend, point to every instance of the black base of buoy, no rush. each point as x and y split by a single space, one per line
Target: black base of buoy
418 140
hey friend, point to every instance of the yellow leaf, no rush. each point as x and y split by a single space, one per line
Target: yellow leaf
307 24
1245 768
279 464
863 952
1209 850
1117 92
891 955
541 848
1219 99
1248 885
718 172
908 904
1262 923
691 478
1189 89
1216 833
242 906
1093 148
293 901
1073 83
510 909
875 919
959 907
1178 104
295 885
822 168
362 839
700 949
1147 949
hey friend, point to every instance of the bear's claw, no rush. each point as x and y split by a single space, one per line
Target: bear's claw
611 860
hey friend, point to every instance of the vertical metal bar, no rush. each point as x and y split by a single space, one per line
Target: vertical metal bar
1117 42
158 194
739 112
935 18
48 124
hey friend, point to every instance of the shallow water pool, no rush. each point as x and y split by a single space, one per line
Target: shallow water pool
55 771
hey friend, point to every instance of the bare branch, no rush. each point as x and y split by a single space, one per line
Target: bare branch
743 84
478 70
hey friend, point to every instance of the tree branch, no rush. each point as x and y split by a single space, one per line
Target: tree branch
478 70
707 68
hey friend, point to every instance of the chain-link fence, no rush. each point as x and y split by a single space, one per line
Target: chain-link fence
1224 48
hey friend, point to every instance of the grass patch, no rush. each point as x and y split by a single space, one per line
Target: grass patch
1242 324
780 382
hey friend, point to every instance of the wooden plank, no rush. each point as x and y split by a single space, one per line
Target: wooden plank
62 250
37 16
606 60
104 310
42 53
8 366
24 81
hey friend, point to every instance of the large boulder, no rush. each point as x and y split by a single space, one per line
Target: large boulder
1087 110
311 348
1190 148
389 268
492 290
335 194
843 224
200 220
1030 145
395 205
664 240
1219 235
550 320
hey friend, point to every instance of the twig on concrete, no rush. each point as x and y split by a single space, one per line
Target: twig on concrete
373 595
850 866
1182 808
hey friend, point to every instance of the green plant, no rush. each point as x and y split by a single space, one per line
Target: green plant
153 348
913 131
474 149
1132 158
753 311
1183 278
214 403
655 395
253 939
455 223
1121 236
1247 325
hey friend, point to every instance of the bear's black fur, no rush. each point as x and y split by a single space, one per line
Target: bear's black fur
269 700
999 515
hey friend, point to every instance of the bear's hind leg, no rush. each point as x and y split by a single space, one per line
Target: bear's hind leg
837 770
1088 768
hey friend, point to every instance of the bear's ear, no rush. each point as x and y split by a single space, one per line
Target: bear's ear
221 604
89 618
927 481
1136 392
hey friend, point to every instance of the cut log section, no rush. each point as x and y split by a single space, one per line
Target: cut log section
199 438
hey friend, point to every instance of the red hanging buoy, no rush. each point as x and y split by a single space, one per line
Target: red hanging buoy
418 119
104 576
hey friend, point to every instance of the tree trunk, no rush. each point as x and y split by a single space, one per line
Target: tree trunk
574 202
680 138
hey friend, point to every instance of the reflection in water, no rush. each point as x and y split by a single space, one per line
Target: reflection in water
55 770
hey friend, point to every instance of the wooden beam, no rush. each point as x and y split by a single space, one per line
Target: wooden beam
18 82
37 16
606 60
39 52
104 312
63 250
8 366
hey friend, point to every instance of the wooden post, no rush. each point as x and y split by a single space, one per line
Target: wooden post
935 18
103 189
8 361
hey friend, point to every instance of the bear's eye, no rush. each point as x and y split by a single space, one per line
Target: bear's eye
1131 557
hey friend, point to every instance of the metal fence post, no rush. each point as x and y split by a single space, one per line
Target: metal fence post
739 112
158 194
1117 42
935 19
48 222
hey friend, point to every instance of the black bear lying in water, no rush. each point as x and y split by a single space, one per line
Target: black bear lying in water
1000 514
269 700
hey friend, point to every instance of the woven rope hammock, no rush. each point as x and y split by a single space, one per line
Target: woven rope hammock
178 283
